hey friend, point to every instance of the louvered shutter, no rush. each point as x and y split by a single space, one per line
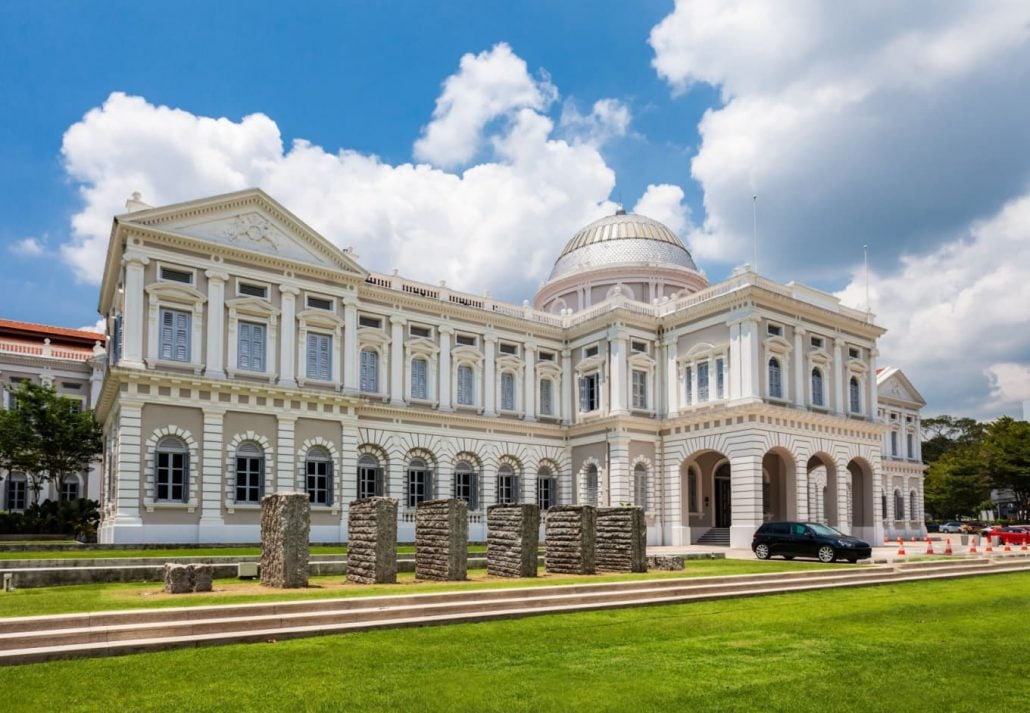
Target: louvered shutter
380 484
167 334
182 336
584 394
474 492
257 347
312 356
243 347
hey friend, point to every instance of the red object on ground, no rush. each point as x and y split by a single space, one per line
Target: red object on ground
947 546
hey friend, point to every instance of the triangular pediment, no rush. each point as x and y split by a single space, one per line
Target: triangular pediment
893 384
248 221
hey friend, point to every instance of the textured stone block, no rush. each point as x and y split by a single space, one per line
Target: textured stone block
512 540
201 575
621 544
665 563
441 540
569 539
285 532
372 541
177 579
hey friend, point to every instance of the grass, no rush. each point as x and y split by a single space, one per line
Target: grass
906 646
107 597
183 552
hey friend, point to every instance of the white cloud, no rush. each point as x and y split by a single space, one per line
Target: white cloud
492 84
27 247
100 327
665 204
607 120
957 317
497 225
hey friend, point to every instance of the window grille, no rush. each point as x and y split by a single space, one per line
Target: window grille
172 465
506 348
366 321
17 493
245 288
419 482
507 485
546 489
320 303
370 477
466 484
70 489
417 331
465 340
250 473
182 276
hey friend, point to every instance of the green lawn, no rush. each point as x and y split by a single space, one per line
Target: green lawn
905 647
105 597
185 552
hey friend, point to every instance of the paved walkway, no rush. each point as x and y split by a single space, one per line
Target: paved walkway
881 554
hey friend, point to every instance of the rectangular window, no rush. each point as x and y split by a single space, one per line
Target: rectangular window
75 387
249 477
423 332
589 398
250 346
639 389
370 481
70 489
720 378
175 335
546 356
590 352
910 450
775 330
546 397
466 386
854 353
688 380
507 489
466 487
366 321
505 348
419 380
369 377
320 349
702 381
172 471
248 290
183 276
546 493
507 391
894 443
320 303
17 494
640 347
466 340
418 486
817 342
319 481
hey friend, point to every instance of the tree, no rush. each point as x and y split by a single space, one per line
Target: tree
956 483
942 434
1006 453
58 439
15 442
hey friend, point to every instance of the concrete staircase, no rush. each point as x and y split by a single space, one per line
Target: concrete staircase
34 639
716 537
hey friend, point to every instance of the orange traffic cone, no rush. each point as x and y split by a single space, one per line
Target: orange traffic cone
1007 547
886 540
929 546
1023 547
901 547
947 546
972 546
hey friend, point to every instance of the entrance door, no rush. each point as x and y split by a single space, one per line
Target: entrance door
723 514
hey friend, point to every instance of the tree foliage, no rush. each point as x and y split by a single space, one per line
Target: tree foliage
1006 455
47 437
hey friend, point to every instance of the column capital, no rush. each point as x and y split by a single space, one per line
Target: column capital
490 338
217 275
397 320
531 347
618 334
289 290
445 329
800 330
566 353
350 302
839 342
134 258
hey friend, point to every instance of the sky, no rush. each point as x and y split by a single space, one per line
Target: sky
467 141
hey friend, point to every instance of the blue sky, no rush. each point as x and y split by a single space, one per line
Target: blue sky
458 130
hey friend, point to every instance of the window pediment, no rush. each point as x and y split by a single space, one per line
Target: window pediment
421 345
467 353
641 360
590 364
777 344
548 368
857 366
176 293
320 318
510 362
819 356
371 335
252 306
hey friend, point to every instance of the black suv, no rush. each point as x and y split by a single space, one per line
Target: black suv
807 539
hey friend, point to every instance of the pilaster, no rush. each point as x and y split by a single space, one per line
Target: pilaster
132 320
288 347
672 388
489 375
746 494
286 469
215 358
444 382
617 372
350 345
799 367
568 379
211 484
838 376
397 360
529 383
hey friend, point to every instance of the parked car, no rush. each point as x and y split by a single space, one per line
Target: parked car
1010 534
952 528
807 539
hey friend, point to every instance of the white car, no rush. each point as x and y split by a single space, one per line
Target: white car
951 528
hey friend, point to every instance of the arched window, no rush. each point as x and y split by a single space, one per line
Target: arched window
171 470
856 395
883 505
466 484
419 379
507 391
640 485
250 473
702 381
817 388
899 505
546 488
370 477
318 469
466 385
590 485
912 505
419 482
546 397
370 371
775 379
507 485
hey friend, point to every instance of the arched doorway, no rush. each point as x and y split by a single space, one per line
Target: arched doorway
822 489
705 497
862 513
779 494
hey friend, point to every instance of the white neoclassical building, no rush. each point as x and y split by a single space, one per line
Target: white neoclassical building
249 355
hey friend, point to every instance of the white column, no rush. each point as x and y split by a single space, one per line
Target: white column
620 487
874 396
490 375
397 360
209 529
736 362
285 476
838 377
672 388
843 483
288 347
132 314
799 367
215 359
444 383
350 345
752 360
617 371
801 490
713 375
568 380
130 475
746 496
529 382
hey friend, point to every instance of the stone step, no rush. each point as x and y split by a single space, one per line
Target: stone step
104 634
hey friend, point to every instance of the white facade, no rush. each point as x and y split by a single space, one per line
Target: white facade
252 355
